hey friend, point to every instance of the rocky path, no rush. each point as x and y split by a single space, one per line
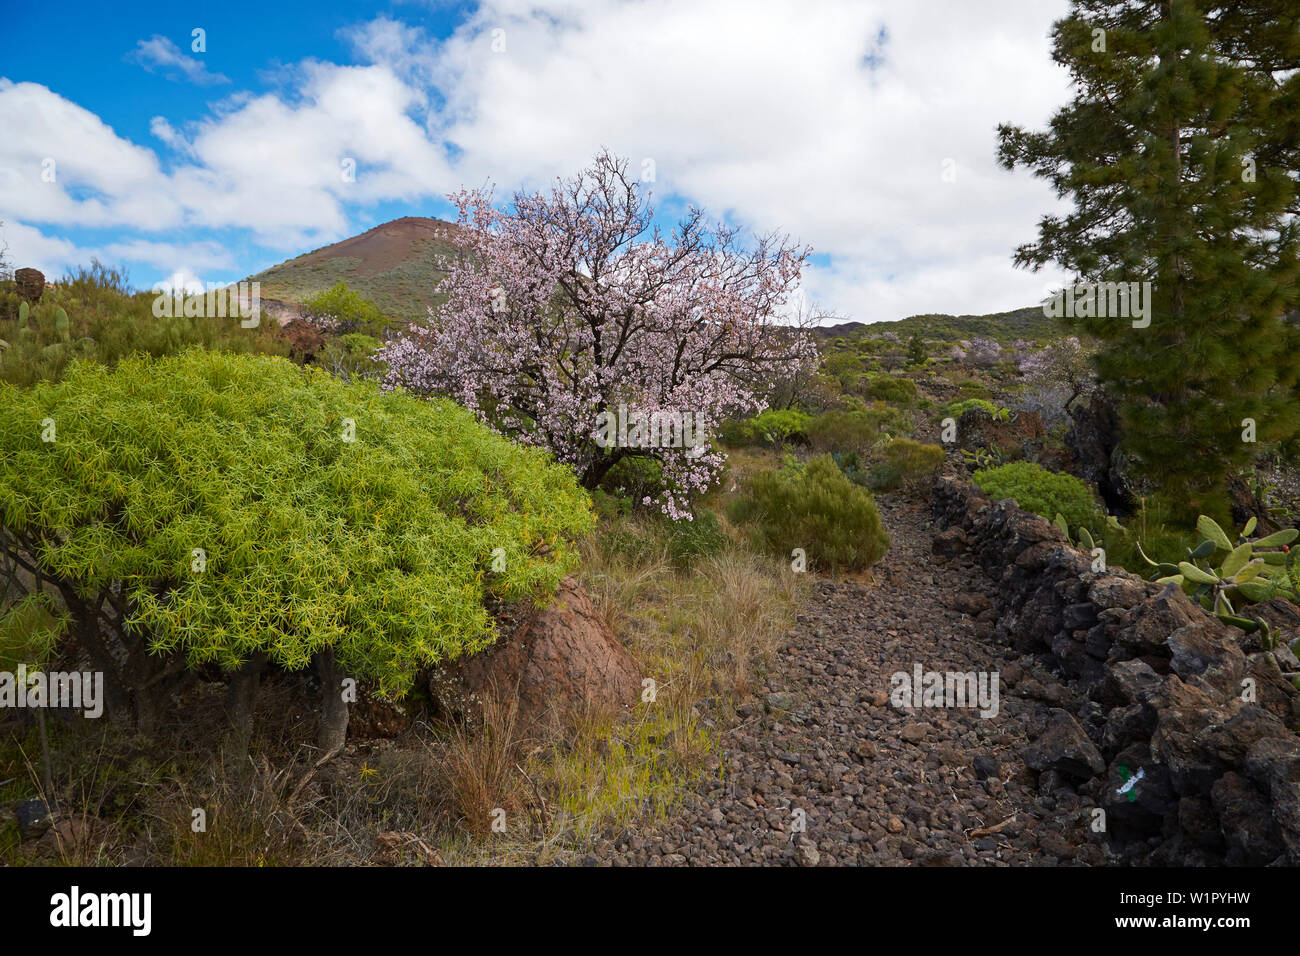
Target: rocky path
873 784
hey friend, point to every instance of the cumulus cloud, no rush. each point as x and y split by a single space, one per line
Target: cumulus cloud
26 246
183 281
160 54
287 172
170 255
834 121
62 165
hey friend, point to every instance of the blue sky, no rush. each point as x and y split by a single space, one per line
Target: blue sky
833 122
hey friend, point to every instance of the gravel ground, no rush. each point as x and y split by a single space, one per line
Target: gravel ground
875 784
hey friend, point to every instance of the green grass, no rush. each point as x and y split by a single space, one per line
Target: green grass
106 323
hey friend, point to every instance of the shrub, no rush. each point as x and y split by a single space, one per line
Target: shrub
776 426
818 509
957 409
884 476
29 632
850 462
914 460
688 541
844 367
970 388
106 324
1043 492
737 432
648 539
855 431
208 508
351 356
839 431
889 420
916 350
609 507
885 388
340 310
771 428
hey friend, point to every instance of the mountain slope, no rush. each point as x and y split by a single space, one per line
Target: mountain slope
1028 323
394 265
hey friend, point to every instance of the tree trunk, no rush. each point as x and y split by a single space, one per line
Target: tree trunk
600 467
333 731
240 699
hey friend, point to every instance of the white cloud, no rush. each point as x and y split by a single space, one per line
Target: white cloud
287 170
28 247
168 255
61 164
181 280
766 111
169 136
275 168
161 54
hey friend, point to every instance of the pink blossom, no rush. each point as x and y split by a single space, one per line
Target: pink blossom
565 305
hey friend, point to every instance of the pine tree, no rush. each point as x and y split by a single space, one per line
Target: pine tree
1180 153
916 350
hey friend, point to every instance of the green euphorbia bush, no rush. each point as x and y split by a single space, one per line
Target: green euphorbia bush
816 508
957 409
208 508
1043 492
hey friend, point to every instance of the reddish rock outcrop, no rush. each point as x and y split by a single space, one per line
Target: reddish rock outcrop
559 663
304 341
30 283
373 716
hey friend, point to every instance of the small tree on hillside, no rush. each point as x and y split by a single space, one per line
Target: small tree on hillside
1055 377
569 305
916 350
340 310
1179 150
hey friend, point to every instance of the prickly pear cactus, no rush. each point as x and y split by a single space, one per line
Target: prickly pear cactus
61 325
1219 571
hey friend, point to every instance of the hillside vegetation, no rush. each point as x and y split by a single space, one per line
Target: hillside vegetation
1028 323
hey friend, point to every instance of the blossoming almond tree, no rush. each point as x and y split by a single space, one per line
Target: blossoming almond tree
565 306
